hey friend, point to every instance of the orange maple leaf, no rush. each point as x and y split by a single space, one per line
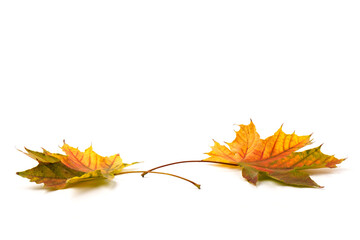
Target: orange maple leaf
274 156
59 171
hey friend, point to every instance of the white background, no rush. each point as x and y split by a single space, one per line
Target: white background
156 81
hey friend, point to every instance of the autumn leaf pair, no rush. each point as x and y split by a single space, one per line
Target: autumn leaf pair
275 157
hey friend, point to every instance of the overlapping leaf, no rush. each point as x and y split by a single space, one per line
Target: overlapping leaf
90 161
58 171
274 156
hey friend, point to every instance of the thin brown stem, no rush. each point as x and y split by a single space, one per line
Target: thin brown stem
189 161
169 174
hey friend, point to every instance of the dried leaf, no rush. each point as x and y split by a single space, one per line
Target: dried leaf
275 156
58 171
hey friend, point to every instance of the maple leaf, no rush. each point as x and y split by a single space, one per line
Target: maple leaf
275 156
59 171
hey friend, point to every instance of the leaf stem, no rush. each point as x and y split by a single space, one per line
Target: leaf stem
169 174
189 161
